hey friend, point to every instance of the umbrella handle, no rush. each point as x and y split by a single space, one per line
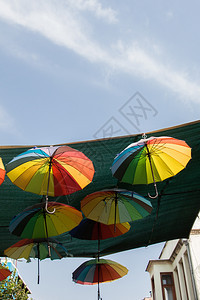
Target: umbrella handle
156 190
46 208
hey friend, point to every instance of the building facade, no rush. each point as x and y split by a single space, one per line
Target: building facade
176 274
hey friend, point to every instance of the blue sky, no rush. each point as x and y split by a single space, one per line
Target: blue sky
79 70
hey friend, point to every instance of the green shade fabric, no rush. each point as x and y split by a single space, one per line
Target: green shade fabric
179 196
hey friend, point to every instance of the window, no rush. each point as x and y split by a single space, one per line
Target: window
168 289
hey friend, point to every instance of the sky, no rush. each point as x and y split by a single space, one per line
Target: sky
87 69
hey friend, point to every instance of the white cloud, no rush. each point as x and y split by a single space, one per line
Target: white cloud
108 14
136 61
64 25
59 25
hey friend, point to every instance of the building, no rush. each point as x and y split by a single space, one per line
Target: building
176 274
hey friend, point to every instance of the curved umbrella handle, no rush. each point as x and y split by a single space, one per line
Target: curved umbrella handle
46 208
156 190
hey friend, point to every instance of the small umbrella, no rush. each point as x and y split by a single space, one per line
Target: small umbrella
2 171
92 230
115 206
96 271
51 171
37 248
36 222
151 160
4 272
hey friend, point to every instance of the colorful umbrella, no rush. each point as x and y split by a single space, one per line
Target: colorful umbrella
2 171
37 248
36 222
151 160
96 271
115 206
51 171
4 272
92 230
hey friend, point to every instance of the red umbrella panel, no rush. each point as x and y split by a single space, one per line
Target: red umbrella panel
4 272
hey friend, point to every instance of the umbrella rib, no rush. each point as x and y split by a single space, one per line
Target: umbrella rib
59 255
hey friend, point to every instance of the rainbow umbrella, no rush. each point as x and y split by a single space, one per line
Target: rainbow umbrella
151 160
36 222
115 206
2 171
92 230
51 171
96 271
37 248
4 272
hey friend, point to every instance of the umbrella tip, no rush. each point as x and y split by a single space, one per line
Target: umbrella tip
144 136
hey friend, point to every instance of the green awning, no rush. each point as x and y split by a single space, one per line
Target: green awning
179 196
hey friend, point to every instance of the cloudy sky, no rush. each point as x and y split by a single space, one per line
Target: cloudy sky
72 70
86 69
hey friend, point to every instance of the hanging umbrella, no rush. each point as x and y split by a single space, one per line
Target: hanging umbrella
96 271
4 272
115 206
37 248
151 160
2 171
36 222
51 171
92 230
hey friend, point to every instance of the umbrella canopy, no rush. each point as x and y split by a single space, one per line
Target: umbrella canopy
151 160
40 248
92 230
96 271
32 248
4 272
2 171
115 206
52 171
36 222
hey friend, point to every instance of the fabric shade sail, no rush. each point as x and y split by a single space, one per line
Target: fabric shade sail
178 195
